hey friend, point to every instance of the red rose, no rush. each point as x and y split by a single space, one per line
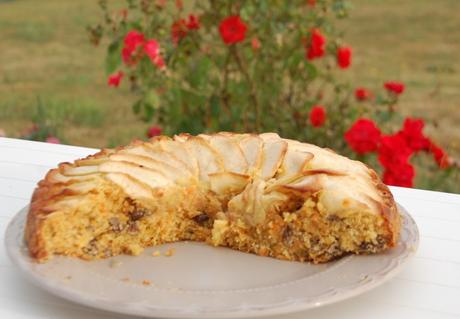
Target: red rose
152 49
52 140
412 132
232 30
115 79
344 57
400 175
395 87
154 131
178 30
133 38
159 62
393 151
439 155
363 136
316 46
132 41
255 44
317 115
362 94
193 22
311 3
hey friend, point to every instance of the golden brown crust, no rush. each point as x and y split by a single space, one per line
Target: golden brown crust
388 208
46 193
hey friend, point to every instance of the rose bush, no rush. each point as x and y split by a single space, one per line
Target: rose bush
253 66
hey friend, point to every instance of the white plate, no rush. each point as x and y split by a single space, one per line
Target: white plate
203 281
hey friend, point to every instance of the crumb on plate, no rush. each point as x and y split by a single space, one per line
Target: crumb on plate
170 252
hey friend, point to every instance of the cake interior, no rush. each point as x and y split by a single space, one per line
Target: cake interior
107 222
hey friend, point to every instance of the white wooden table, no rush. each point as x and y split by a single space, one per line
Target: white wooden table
428 287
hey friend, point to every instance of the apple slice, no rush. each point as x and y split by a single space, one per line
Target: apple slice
251 147
180 151
273 152
157 155
294 162
131 186
227 182
231 153
209 161
310 183
269 136
70 170
169 171
54 176
145 175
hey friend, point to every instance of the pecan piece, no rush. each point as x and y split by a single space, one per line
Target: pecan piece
137 214
133 227
115 224
201 218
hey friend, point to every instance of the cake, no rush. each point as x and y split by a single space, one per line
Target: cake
260 194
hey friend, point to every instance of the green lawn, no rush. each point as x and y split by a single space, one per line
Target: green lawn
45 53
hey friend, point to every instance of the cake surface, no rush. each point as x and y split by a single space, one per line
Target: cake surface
255 193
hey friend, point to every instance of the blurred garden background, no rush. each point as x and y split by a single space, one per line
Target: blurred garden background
50 73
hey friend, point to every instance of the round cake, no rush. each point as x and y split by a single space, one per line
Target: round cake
260 194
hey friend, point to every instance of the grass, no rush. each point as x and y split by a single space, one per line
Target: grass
45 53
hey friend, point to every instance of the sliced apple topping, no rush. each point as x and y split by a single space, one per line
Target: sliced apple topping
131 186
254 202
180 151
273 153
227 182
209 161
232 155
158 155
55 177
168 170
294 163
269 136
309 183
69 170
91 161
252 151
145 175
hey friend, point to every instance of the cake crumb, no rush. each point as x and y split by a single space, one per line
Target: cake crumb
115 263
170 252
156 253
146 282
125 279
68 277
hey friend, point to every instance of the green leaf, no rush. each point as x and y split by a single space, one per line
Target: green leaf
215 106
294 60
311 70
151 98
113 58
384 116
148 112
199 72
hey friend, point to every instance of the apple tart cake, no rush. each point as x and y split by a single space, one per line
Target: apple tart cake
260 194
